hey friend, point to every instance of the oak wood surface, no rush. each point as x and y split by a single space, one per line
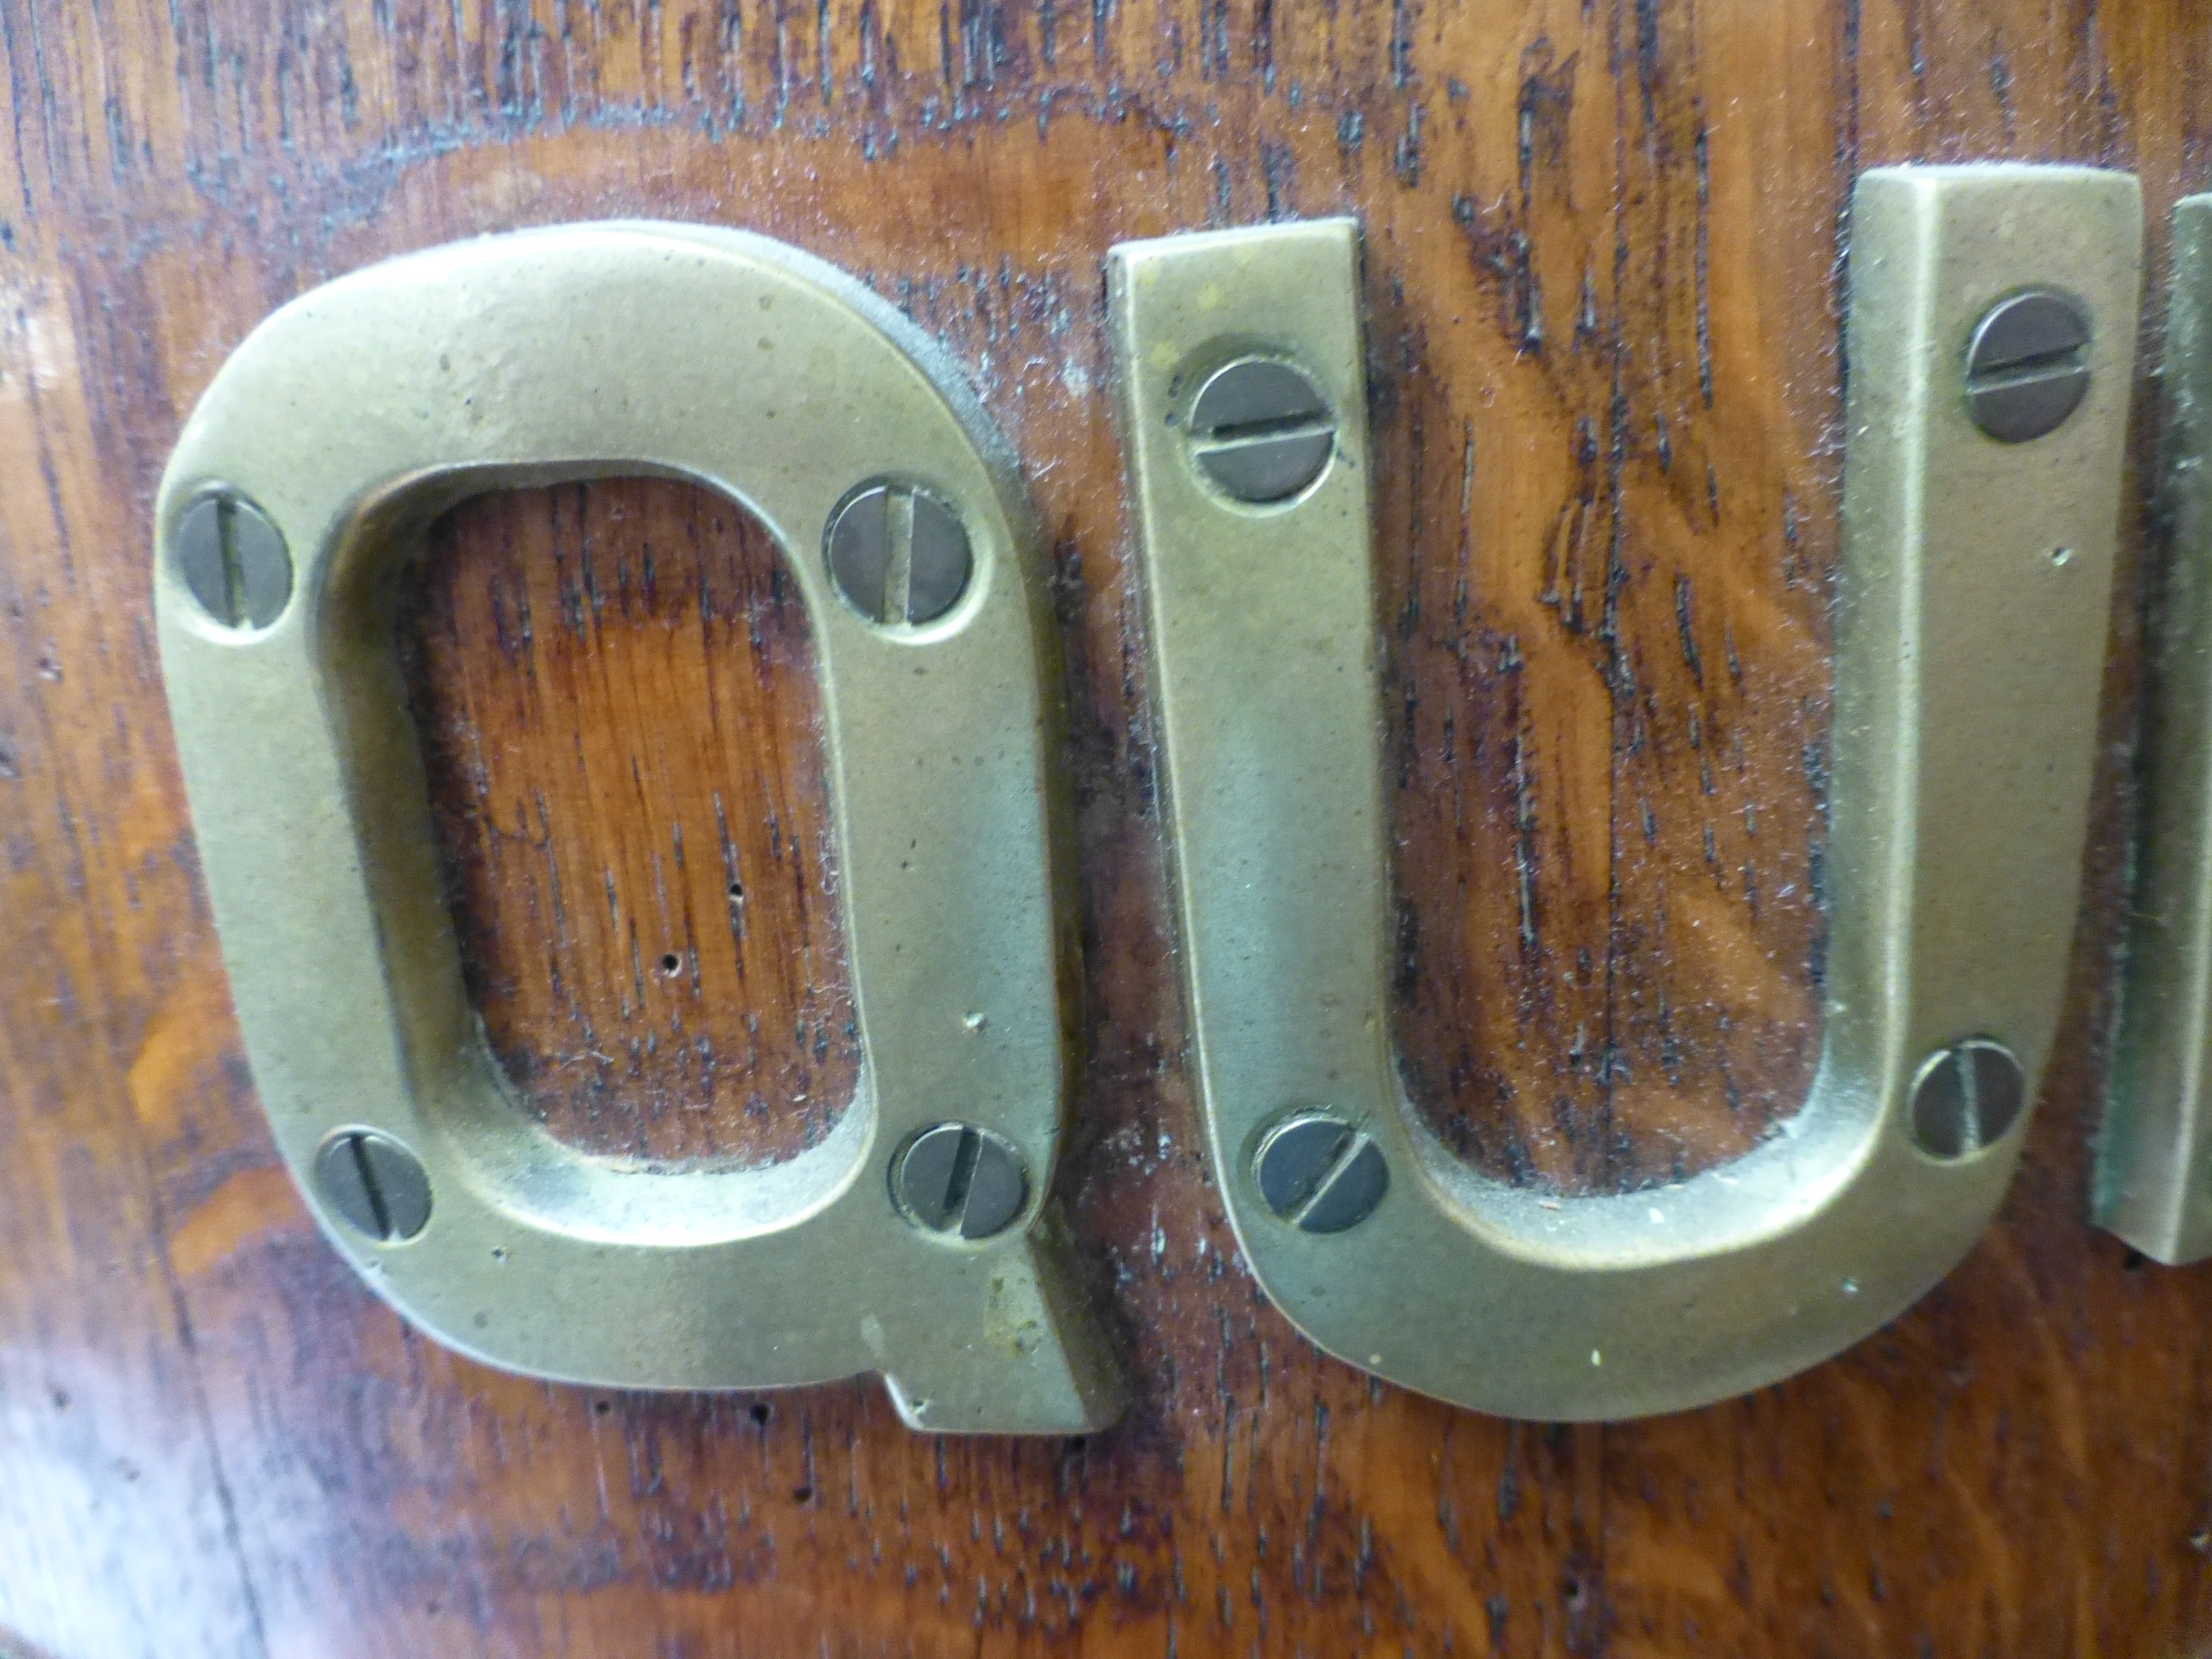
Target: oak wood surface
632 816
1604 267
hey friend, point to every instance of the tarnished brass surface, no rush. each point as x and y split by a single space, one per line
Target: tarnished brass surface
1975 591
352 418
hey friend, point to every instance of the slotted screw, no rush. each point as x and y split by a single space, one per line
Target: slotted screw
234 561
898 554
1320 1174
1261 430
376 1185
1966 1096
956 1179
2027 366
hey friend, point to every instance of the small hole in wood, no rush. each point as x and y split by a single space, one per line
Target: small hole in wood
698 645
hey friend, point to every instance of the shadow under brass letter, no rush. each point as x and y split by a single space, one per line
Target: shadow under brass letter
2154 1167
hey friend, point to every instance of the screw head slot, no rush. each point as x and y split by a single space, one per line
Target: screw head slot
234 561
1320 1174
898 554
1966 1096
376 1186
2027 367
957 1179
1261 430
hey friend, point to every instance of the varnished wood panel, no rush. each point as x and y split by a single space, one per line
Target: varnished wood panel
615 688
1604 265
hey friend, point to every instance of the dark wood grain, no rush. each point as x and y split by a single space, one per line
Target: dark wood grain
1603 262
633 818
